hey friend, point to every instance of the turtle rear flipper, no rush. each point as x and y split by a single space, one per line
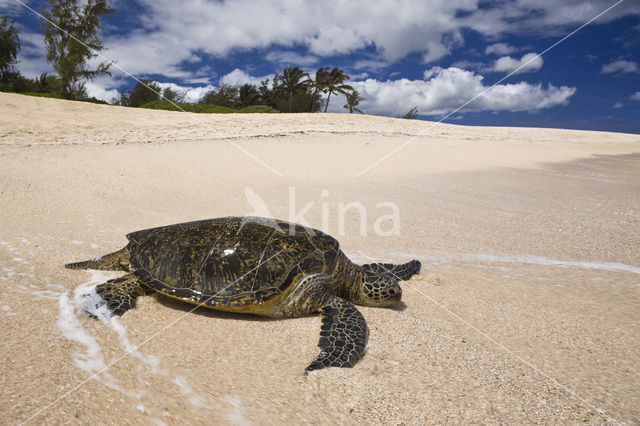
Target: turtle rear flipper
343 336
119 294
116 261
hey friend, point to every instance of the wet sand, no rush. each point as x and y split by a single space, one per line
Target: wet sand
527 309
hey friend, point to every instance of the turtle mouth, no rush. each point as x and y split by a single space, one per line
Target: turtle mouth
393 297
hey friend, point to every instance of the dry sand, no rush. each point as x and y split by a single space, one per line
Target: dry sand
527 309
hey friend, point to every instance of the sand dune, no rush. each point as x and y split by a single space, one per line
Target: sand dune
527 308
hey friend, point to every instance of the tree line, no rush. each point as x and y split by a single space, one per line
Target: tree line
71 35
293 90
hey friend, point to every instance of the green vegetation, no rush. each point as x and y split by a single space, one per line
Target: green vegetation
292 84
92 100
205 108
353 100
258 109
47 83
56 96
223 95
9 47
70 29
248 95
43 95
143 92
412 114
188 107
292 91
333 82
173 96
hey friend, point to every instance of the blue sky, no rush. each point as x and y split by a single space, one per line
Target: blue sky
435 55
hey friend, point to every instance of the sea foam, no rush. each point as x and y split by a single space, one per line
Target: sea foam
523 259
90 358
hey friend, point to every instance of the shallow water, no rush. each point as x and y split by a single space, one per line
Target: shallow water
72 319
529 259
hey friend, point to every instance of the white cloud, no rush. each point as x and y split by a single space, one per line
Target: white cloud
359 76
33 66
142 53
543 17
336 39
170 36
620 66
198 80
528 63
32 54
500 49
466 64
618 105
435 50
96 90
239 77
324 28
444 90
371 64
635 96
191 94
12 7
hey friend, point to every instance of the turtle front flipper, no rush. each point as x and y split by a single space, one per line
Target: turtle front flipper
120 294
343 336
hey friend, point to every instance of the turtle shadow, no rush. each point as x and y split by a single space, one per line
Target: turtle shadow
212 313
400 306
209 313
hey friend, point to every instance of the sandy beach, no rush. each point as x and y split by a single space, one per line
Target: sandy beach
527 308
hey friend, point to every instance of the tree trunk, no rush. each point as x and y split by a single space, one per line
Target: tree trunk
313 99
327 105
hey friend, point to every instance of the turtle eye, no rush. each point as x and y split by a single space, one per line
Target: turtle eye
381 291
394 292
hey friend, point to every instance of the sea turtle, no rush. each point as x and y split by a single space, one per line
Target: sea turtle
258 266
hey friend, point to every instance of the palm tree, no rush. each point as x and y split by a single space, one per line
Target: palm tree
319 84
291 77
47 83
248 95
353 100
334 83
412 114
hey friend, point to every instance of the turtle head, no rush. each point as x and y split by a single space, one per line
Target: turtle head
380 282
379 289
